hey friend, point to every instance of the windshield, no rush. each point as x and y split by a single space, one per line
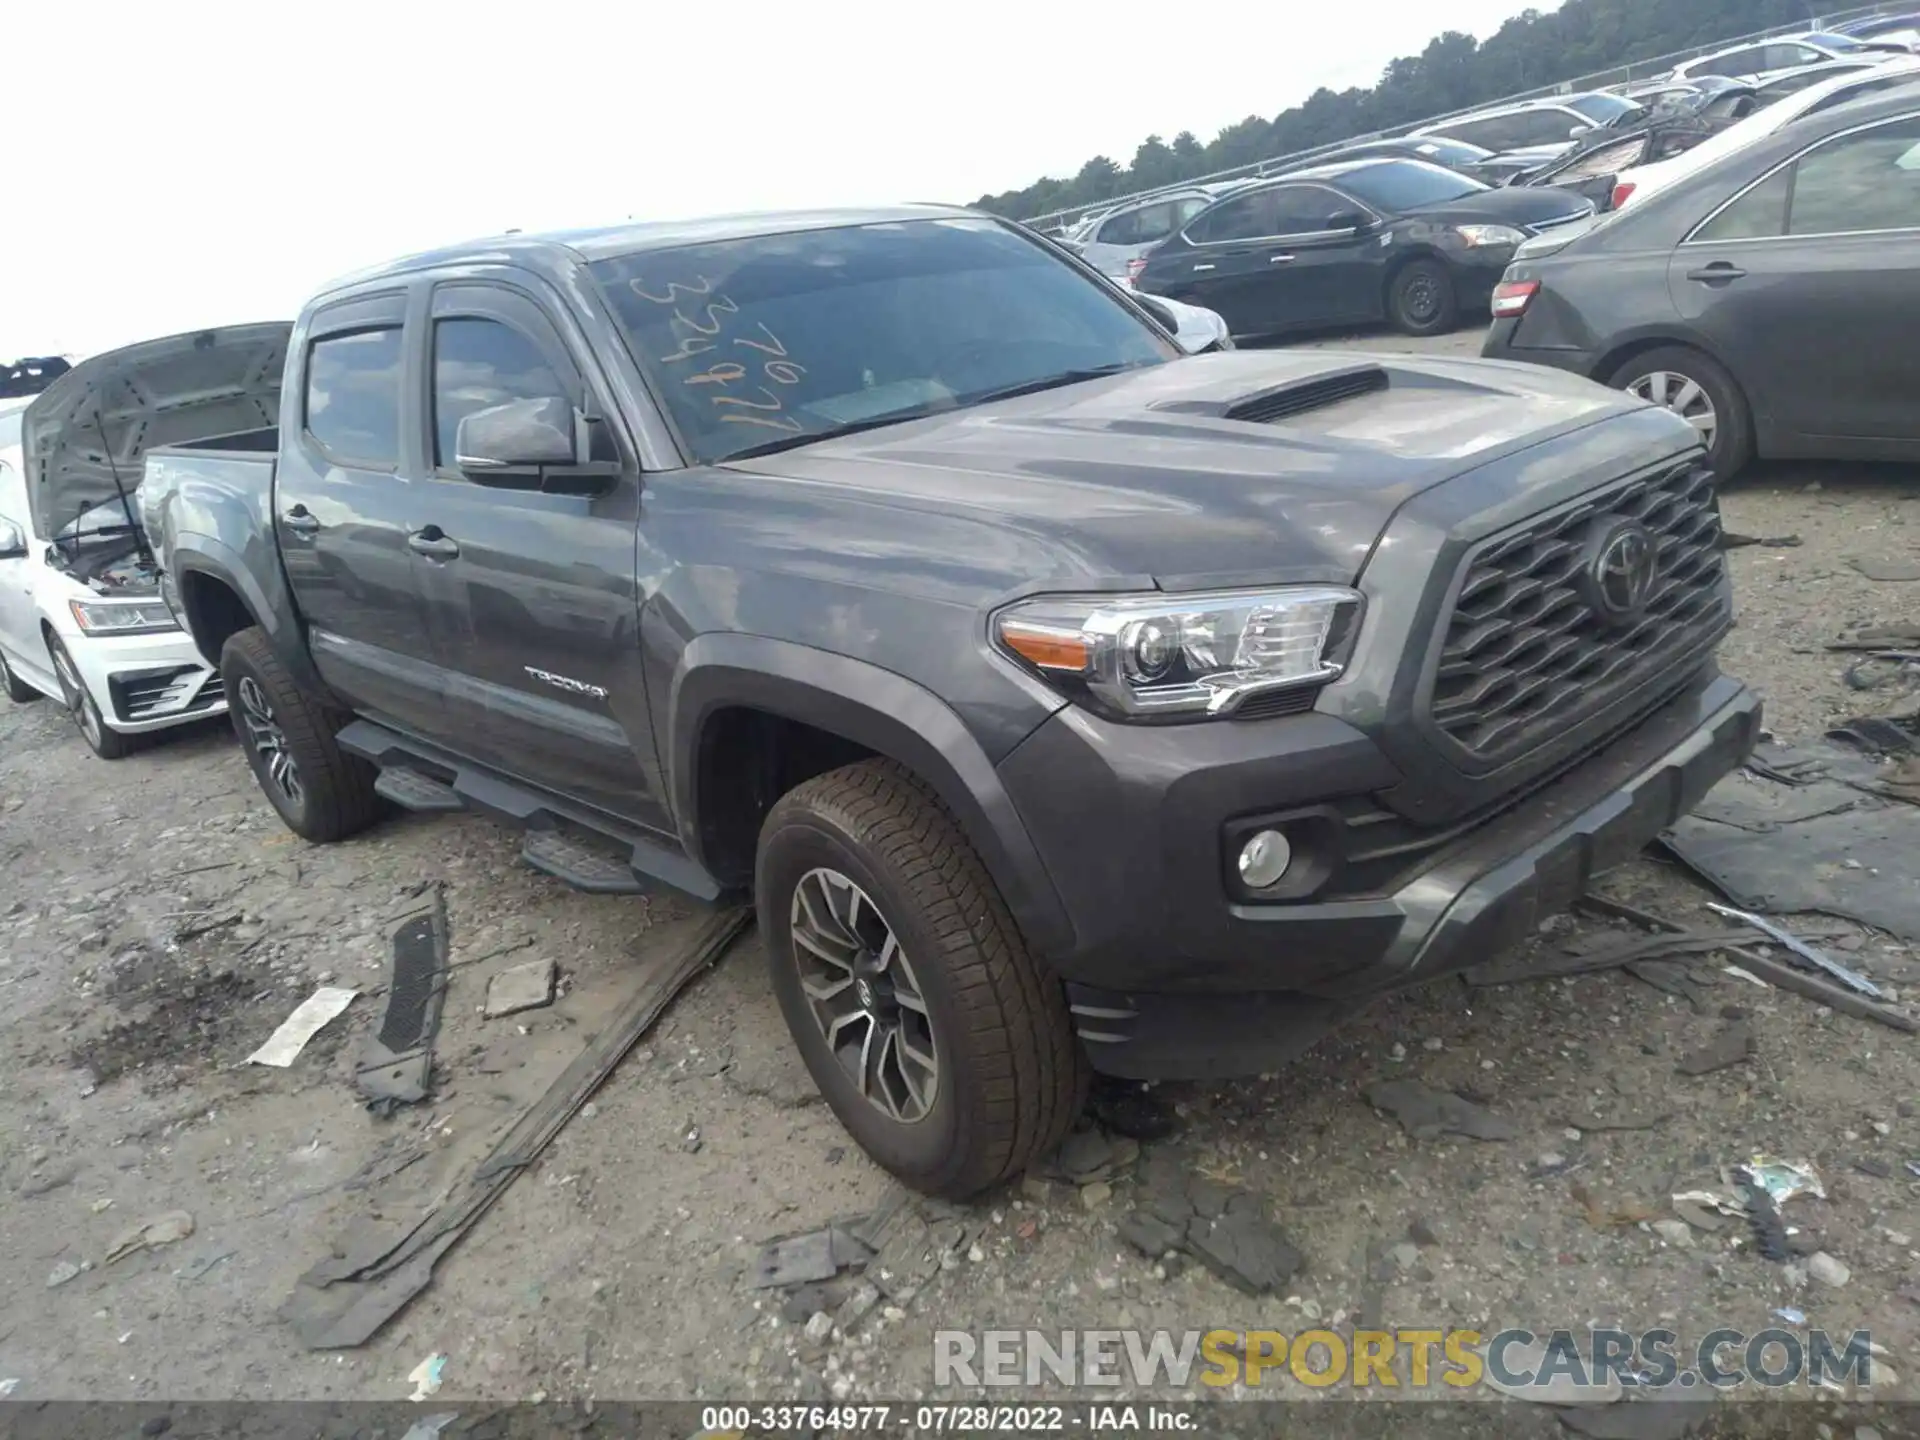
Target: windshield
778 339
1836 43
1603 108
1450 152
1396 185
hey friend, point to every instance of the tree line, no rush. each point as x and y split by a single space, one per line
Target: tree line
1454 72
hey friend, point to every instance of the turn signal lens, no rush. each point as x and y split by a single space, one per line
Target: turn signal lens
1061 650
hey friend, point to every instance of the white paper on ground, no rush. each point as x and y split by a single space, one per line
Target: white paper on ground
286 1043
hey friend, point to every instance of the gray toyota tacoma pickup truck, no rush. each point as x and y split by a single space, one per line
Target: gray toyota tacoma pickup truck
1064 703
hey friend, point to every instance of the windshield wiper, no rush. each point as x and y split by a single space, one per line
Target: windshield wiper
920 412
1052 382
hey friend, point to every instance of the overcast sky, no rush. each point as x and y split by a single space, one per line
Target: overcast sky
193 162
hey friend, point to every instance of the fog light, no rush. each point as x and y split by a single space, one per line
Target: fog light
1264 859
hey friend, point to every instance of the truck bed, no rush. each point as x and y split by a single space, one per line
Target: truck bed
221 489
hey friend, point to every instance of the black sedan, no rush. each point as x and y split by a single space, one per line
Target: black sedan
1365 240
1772 299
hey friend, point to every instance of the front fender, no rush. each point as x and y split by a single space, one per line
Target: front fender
885 713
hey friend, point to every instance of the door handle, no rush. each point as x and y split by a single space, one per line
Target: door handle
433 543
1198 268
1278 259
300 520
1719 270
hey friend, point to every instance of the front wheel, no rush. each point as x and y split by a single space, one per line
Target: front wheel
942 1045
105 741
1421 299
320 791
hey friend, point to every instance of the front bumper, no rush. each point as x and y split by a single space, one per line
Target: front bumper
146 682
1173 977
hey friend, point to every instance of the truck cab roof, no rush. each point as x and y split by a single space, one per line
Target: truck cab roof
634 237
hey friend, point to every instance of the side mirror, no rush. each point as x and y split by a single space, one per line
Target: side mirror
1151 304
531 445
13 543
1577 131
1348 220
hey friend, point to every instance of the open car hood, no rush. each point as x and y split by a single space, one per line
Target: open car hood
99 419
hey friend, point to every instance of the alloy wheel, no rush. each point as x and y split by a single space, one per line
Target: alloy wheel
1683 395
75 694
864 995
269 741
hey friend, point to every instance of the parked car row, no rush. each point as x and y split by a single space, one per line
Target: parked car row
1766 287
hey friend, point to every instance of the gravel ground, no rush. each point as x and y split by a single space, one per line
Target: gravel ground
157 922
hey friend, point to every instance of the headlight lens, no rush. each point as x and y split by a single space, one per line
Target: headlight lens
122 617
1475 236
1174 656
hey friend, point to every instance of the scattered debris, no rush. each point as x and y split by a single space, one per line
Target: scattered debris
1886 570
8 1386
1224 1228
1729 540
1696 1214
396 1068
1427 1113
1791 1315
1876 637
309 1017
1827 1270
1674 1232
520 987
819 1328
1734 1045
1671 1417
428 1427
1763 1217
1611 1212
343 1300
1784 1179
1801 948
425 1377
807 1259
63 1272
53 1180
161 1230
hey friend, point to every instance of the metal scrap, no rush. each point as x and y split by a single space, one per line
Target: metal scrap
396 1068
1806 952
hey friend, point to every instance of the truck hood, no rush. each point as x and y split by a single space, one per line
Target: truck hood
1229 468
99 419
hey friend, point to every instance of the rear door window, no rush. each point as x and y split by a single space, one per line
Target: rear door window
1866 181
353 396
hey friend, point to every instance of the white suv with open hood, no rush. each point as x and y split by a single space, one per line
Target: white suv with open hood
81 615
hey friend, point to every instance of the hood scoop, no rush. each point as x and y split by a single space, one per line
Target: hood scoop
1270 407
1297 397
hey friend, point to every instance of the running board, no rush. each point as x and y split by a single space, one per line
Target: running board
582 864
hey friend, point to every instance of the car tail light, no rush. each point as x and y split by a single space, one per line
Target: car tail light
1511 298
1134 267
1620 193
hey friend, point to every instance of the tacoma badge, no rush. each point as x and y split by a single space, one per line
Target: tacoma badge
565 682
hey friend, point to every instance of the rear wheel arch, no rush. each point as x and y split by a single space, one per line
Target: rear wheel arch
214 611
752 718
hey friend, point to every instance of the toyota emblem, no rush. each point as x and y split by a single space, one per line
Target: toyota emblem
1620 571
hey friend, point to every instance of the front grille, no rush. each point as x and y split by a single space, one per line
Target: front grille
1528 652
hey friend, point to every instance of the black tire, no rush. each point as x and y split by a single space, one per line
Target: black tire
101 738
1010 1075
1732 443
1421 299
17 689
331 792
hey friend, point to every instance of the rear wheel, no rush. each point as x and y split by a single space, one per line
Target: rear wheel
943 1046
17 689
101 738
1421 298
1698 389
322 793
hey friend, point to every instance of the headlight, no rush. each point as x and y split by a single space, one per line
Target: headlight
122 617
1174 656
1475 236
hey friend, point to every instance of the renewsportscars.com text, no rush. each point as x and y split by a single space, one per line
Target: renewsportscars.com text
1411 1359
